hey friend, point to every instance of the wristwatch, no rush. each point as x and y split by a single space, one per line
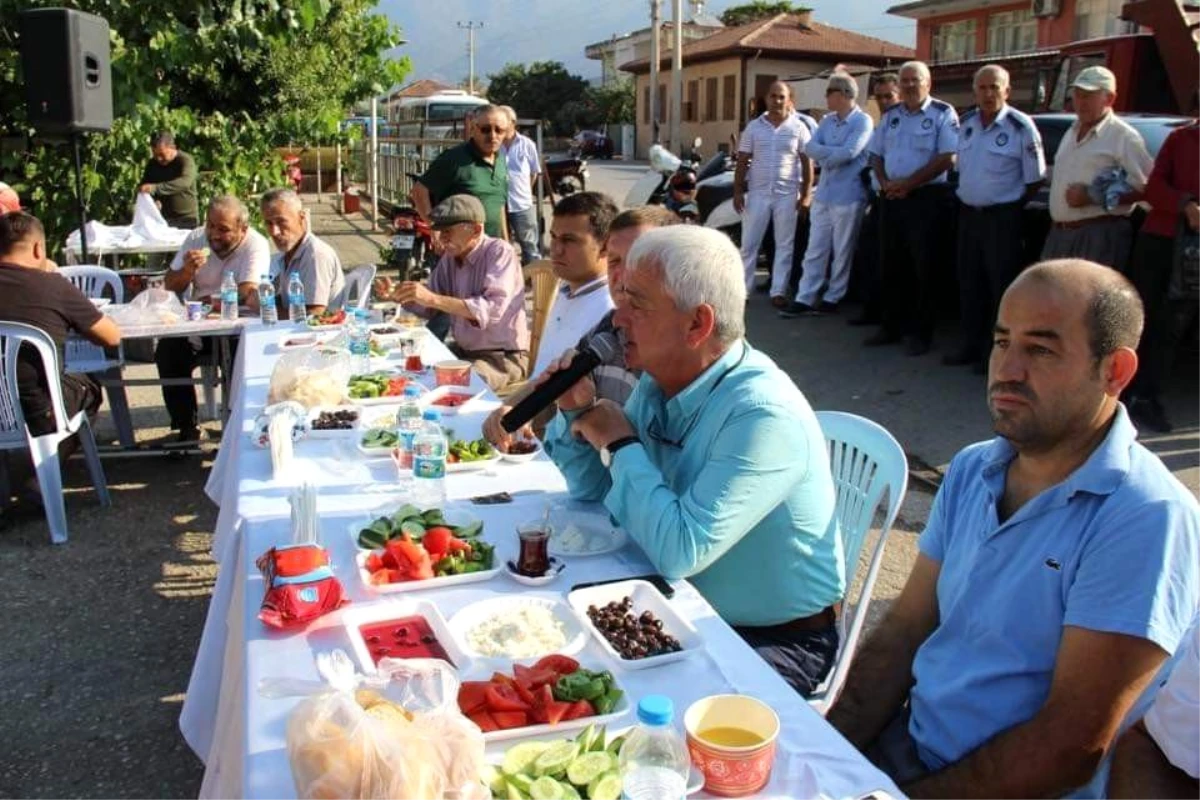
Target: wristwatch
607 452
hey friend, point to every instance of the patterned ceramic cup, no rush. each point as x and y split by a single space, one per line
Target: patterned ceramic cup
732 770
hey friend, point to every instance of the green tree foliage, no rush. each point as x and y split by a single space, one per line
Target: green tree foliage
759 9
545 90
616 101
232 78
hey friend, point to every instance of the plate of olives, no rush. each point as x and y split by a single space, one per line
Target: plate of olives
634 623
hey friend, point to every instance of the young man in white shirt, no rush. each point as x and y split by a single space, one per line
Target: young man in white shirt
1097 141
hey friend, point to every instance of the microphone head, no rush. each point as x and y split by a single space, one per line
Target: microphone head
605 345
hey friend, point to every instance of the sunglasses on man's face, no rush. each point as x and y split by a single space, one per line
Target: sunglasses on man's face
488 130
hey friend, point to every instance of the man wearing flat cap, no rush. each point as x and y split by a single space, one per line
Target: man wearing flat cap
478 282
1101 167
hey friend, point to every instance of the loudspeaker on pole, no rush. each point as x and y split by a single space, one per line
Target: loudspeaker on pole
68 79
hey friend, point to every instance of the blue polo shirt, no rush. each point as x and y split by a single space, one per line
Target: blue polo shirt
839 147
996 162
729 488
1113 548
908 140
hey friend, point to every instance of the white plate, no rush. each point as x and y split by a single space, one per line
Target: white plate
521 458
556 569
355 616
393 400
473 615
645 598
472 394
372 452
560 730
417 586
579 532
455 517
314 433
100 302
470 466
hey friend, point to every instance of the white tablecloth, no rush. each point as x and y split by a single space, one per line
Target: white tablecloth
240 735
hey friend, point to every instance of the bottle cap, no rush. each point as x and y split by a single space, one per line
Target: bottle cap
656 710
412 391
431 414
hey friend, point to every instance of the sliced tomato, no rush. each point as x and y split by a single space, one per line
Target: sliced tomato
437 540
388 559
485 721
374 562
380 578
411 557
397 575
532 677
560 665
579 709
503 697
501 678
510 719
525 693
472 696
555 710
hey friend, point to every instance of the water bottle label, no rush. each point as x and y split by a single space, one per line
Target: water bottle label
429 467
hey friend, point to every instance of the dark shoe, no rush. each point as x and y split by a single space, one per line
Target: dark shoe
779 301
1149 412
827 308
960 358
794 310
863 320
915 346
881 338
190 436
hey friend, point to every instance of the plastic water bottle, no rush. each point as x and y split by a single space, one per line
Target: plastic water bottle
297 310
429 461
409 422
266 301
229 297
654 760
360 342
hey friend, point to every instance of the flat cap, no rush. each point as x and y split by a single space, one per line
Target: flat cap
458 208
1095 78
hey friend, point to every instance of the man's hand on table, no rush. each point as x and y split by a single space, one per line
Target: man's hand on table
603 424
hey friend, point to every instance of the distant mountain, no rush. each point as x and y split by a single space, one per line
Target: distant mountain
558 30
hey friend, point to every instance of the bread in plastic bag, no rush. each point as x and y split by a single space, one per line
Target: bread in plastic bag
314 376
396 734
154 306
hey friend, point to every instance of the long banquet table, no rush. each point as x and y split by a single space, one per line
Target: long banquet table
240 734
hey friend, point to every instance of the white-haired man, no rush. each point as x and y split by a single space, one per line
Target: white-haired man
1098 143
716 465
524 168
912 149
839 148
302 252
1000 167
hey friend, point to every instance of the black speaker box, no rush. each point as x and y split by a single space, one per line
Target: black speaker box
68 81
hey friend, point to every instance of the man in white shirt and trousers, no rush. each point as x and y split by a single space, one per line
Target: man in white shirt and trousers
771 184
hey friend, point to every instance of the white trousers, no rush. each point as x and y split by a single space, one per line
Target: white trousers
762 208
833 231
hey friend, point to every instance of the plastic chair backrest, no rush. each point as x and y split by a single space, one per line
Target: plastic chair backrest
12 418
866 462
545 289
358 286
93 280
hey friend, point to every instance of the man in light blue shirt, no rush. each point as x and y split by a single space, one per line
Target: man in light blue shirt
716 466
1000 167
524 167
839 148
1057 574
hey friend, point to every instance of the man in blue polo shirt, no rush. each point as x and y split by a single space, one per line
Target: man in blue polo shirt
1056 575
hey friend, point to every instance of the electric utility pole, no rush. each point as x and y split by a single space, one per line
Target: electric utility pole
470 28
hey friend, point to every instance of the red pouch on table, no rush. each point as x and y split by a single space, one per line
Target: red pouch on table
300 585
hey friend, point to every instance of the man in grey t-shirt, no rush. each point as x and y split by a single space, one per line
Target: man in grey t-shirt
300 251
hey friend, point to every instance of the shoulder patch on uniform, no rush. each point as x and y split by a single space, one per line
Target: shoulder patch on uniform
940 105
974 112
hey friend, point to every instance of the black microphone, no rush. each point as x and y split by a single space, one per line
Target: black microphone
599 349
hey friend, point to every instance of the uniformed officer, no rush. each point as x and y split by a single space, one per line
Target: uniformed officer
911 150
1000 167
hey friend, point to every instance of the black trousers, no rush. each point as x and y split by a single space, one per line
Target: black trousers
1167 320
989 256
79 393
913 257
177 357
865 278
802 658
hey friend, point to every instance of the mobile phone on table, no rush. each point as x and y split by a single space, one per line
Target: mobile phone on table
658 581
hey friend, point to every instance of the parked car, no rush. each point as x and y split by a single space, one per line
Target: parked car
591 143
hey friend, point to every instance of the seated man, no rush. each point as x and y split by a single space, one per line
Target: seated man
1160 755
1056 574
48 301
300 251
716 466
226 243
479 283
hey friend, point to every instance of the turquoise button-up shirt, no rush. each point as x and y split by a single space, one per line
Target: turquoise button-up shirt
730 488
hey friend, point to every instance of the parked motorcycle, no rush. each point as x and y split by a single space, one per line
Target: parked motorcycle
412 241
667 169
565 175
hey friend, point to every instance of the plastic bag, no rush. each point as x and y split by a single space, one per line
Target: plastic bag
396 734
154 306
314 376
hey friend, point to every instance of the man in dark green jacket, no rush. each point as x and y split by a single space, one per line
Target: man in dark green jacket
170 178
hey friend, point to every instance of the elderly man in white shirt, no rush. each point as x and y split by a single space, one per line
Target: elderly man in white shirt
1160 756
771 184
1097 141
524 167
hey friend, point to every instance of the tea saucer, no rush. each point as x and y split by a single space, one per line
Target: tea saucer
556 568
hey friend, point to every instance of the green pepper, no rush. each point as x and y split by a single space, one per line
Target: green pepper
606 702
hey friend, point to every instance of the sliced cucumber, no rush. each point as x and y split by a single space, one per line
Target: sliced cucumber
606 787
469 530
585 738
369 539
412 528
569 791
556 758
520 757
513 793
588 767
545 788
433 517
614 747
494 778
406 511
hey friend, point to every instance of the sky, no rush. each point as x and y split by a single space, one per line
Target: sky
524 31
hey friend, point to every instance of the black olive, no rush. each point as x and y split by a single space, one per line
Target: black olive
658 625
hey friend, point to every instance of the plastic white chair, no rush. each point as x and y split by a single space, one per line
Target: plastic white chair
866 462
15 435
83 356
358 287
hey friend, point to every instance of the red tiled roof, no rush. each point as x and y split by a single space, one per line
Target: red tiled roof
423 88
784 35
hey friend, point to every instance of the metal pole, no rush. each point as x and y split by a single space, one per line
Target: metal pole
83 251
470 28
338 180
374 163
541 189
677 80
655 57
319 199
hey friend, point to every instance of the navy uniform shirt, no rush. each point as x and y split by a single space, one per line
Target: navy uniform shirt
908 140
996 163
